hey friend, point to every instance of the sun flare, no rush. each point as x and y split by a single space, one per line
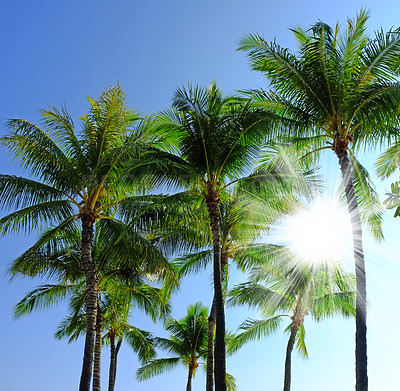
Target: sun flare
321 233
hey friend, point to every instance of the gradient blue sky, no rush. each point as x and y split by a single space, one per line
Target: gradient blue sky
56 53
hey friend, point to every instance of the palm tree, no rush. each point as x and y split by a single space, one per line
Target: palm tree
341 90
123 260
188 341
115 307
219 139
243 220
290 288
78 180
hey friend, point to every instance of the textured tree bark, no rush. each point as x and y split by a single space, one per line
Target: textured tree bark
91 302
210 349
361 299
219 352
113 355
189 381
97 350
288 360
113 365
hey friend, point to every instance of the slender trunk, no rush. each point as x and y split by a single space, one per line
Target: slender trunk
115 362
288 360
219 352
97 350
91 302
113 354
361 299
189 381
210 349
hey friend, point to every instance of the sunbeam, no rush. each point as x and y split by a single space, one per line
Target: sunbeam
321 233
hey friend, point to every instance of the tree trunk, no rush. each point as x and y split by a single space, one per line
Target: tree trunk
210 349
97 350
113 364
89 268
113 354
219 352
288 360
361 299
189 381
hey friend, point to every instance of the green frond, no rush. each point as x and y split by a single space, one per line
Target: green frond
230 383
42 297
40 154
389 161
254 330
393 198
192 263
60 125
17 192
36 217
258 296
300 342
72 327
370 207
156 367
336 303
49 256
142 343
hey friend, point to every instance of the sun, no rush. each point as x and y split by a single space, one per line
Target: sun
321 233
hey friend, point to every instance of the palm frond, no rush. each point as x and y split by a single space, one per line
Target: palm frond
44 296
141 342
300 342
36 217
40 154
254 330
370 207
156 367
389 161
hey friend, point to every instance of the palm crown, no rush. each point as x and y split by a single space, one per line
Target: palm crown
287 287
339 89
79 179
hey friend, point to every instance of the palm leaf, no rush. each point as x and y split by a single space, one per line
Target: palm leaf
36 216
254 330
156 367
44 296
371 210
141 342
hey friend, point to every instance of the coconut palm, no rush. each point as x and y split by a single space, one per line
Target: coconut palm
187 341
243 221
338 90
115 307
289 288
123 259
78 181
219 139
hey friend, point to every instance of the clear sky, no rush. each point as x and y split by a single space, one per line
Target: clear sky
56 53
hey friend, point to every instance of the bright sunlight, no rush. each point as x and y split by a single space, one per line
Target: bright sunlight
321 233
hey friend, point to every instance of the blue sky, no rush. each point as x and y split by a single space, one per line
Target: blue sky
56 53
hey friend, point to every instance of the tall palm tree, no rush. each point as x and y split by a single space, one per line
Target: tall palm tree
188 341
78 181
243 221
219 139
338 90
290 288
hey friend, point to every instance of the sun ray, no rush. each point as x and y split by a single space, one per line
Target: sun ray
320 233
